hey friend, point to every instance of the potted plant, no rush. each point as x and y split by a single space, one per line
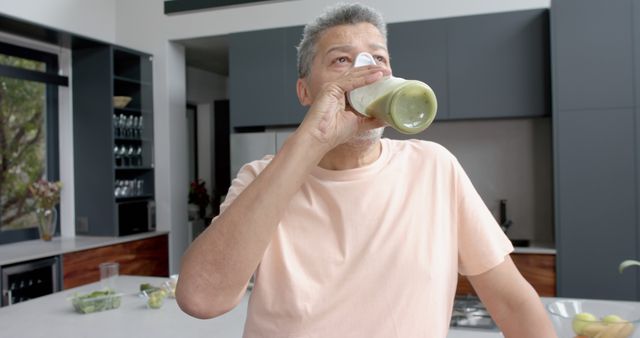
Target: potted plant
46 196
198 196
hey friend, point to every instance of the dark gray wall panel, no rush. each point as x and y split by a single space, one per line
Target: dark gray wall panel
499 65
418 51
592 54
256 68
93 139
596 193
293 111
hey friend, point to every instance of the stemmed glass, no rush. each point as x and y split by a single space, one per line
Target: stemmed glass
116 154
130 153
116 128
134 127
140 127
139 156
122 122
122 153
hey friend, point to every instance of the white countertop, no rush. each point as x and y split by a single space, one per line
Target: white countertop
536 248
34 249
53 316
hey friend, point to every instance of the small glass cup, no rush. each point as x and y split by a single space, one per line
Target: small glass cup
108 275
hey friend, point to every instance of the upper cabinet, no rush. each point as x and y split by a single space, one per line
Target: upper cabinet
482 66
418 51
499 65
262 78
593 59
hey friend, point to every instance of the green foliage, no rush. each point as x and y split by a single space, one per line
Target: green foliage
22 144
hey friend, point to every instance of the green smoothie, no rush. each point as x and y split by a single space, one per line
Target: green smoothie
409 108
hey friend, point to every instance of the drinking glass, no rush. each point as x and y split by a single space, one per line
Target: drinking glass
108 275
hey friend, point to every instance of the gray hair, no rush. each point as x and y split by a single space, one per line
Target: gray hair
341 14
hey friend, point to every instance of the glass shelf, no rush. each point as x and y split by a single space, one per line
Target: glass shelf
134 198
120 138
133 168
130 80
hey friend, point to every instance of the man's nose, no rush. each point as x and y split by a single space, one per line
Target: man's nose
364 59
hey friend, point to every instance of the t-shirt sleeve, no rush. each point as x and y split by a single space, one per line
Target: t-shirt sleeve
482 245
246 175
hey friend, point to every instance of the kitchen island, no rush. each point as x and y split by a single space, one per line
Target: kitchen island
53 316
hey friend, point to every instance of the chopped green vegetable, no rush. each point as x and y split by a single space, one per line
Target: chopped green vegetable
156 298
96 301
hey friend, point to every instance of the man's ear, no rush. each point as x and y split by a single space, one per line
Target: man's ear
304 95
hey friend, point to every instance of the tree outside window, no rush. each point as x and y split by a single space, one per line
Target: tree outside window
28 135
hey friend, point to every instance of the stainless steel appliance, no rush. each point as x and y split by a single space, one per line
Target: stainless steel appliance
27 280
468 311
247 147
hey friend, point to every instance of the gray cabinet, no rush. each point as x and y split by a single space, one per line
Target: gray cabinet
113 145
256 65
593 59
483 66
418 51
262 78
293 110
595 147
499 65
596 199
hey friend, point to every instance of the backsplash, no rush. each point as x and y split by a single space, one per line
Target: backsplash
506 159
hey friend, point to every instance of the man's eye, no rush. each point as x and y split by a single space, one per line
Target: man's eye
381 59
342 59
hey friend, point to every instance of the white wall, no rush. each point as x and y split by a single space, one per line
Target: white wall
204 86
505 159
142 25
152 36
93 18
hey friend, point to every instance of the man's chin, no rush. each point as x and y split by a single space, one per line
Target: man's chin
366 138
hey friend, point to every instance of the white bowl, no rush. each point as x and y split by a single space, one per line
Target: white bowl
563 314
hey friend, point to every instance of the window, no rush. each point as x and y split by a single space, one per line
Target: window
28 134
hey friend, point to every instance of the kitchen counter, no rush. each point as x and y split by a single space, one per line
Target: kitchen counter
34 249
536 248
53 316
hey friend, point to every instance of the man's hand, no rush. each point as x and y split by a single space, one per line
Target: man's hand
329 119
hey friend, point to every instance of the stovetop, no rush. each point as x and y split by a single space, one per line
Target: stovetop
468 311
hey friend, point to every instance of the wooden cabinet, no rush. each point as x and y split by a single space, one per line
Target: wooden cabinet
145 257
113 146
538 269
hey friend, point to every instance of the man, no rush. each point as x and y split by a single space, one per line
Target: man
351 235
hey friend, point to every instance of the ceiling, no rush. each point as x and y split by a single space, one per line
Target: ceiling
208 53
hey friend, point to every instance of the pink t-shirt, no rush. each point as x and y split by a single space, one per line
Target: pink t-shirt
373 251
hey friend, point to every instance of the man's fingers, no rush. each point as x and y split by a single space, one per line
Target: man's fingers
362 76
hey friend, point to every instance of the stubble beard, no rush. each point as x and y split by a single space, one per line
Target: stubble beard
365 139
